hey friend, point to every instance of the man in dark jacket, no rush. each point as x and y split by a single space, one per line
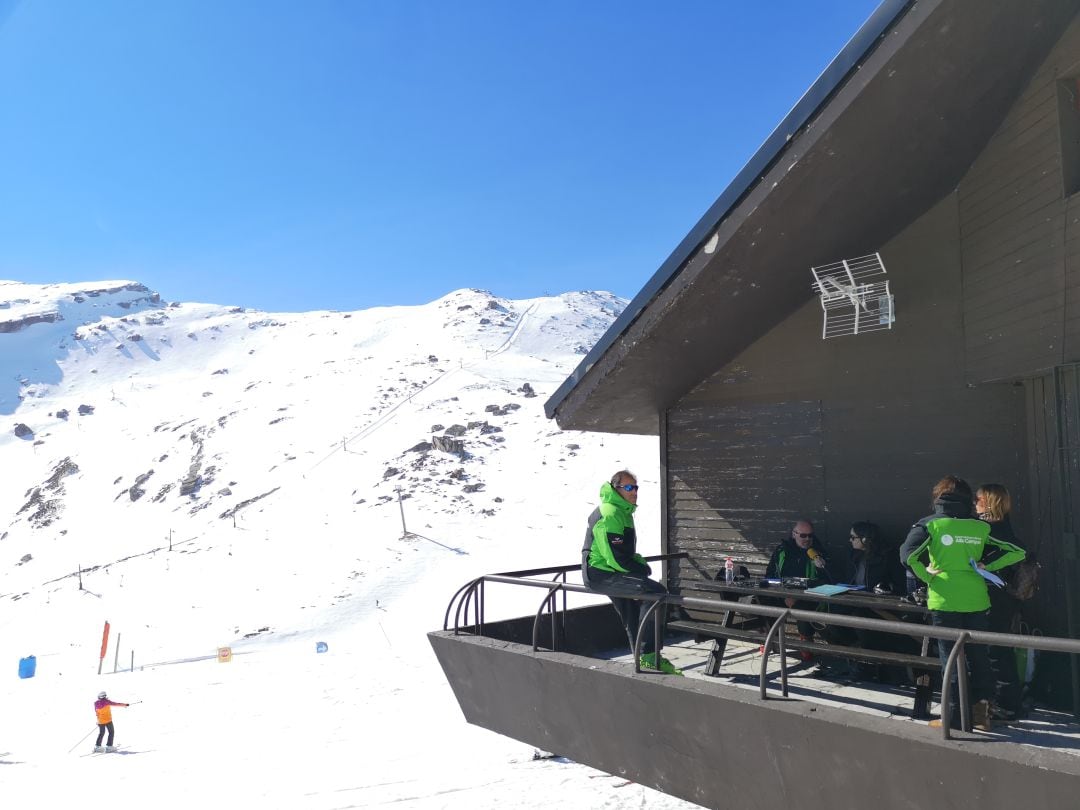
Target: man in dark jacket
611 565
799 555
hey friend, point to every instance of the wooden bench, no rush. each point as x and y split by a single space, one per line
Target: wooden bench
722 626
714 630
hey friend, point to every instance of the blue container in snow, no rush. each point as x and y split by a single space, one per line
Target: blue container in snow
320 647
27 666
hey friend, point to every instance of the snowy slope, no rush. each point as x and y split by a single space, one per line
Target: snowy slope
270 452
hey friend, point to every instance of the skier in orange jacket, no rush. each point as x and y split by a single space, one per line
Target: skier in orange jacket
103 710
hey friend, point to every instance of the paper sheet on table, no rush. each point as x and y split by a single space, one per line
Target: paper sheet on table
987 575
830 590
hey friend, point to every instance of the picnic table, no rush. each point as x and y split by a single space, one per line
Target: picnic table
720 628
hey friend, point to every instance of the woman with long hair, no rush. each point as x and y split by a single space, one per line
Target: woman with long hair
872 566
993 505
875 567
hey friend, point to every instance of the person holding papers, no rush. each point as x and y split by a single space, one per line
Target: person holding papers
993 505
945 550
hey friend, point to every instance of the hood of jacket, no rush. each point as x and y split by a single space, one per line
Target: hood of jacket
608 494
954 506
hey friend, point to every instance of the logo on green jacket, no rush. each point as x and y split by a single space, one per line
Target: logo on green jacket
948 540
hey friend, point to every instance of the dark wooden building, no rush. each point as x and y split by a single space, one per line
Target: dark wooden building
947 138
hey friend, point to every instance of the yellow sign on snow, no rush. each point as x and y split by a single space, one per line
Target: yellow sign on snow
224 655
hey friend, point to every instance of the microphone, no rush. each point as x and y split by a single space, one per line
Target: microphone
812 553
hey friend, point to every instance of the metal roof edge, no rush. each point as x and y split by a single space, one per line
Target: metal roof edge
855 51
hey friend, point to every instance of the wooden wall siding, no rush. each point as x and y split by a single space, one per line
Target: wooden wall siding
747 456
1045 504
739 476
1013 237
1072 278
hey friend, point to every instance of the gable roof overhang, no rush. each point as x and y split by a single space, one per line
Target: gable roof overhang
887 130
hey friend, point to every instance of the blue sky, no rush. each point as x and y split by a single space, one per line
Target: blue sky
339 155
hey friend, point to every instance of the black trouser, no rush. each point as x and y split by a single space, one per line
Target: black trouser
978 655
806 630
1009 689
617 587
101 728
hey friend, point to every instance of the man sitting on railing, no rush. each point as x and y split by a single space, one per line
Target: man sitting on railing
611 565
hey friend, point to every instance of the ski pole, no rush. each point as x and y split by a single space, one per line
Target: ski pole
76 745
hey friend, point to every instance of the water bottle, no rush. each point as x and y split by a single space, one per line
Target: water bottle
729 570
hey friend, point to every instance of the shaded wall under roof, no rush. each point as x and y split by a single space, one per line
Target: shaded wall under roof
891 142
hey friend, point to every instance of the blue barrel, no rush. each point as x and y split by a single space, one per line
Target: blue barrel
27 666
320 647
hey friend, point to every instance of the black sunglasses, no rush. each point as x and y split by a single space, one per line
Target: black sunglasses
804 535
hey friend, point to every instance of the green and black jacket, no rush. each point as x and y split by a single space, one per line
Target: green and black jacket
950 539
610 541
788 560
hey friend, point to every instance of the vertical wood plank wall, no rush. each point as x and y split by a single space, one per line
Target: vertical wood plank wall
1018 233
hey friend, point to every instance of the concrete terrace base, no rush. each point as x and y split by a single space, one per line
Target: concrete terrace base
720 746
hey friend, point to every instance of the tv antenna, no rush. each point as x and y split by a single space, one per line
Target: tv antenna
855 297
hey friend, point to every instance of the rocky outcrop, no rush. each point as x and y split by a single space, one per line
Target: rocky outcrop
29 320
448 445
44 503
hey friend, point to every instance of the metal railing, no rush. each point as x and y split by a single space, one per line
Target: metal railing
470 597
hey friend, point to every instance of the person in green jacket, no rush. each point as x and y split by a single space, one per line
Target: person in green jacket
611 565
953 541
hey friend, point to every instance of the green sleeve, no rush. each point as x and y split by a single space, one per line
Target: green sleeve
1013 554
603 547
915 564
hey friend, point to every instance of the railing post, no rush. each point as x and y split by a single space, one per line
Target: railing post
964 693
545 602
480 609
781 640
650 611
946 686
777 628
658 629
553 608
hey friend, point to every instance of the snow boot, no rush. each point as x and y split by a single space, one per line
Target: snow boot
99 749
109 749
649 661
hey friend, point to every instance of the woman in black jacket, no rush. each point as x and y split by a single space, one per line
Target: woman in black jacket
876 568
993 505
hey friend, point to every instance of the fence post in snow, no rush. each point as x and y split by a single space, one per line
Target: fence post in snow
404 531
80 575
116 657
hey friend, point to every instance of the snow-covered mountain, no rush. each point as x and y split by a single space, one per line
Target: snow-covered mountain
206 476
